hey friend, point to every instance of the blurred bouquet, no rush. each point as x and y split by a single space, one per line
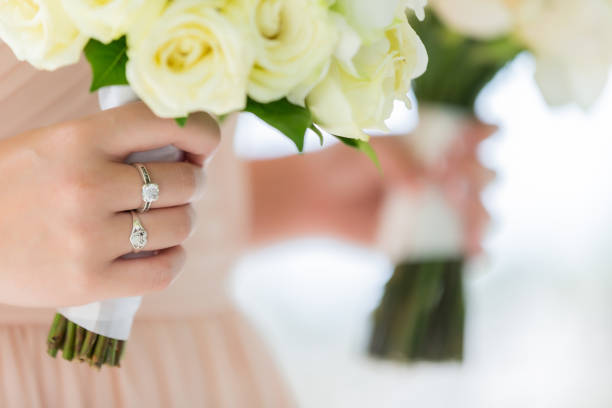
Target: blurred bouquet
429 230
335 65
571 40
421 315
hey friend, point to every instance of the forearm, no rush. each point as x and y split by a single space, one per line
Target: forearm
284 205
336 192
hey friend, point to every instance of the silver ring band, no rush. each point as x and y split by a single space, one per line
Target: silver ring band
150 190
139 236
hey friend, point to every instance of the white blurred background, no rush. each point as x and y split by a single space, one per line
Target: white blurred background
539 329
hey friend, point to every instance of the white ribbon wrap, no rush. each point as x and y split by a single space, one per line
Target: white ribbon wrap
423 224
114 317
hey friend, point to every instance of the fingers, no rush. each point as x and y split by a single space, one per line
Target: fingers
479 131
131 277
166 228
477 219
485 176
179 183
134 128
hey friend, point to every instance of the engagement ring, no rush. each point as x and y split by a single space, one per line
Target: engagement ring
150 190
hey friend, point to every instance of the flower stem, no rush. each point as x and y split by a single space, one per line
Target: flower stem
97 351
56 334
114 353
76 341
88 345
68 351
422 312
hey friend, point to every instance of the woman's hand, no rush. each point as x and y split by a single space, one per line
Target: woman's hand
65 197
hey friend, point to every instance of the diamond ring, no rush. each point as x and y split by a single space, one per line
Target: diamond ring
150 190
138 237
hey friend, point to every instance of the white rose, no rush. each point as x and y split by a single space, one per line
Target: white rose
418 6
106 20
476 18
191 58
294 41
40 32
572 43
345 103
372 18
571 40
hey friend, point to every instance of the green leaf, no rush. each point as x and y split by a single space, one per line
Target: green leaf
107 62
318 132
290 119
181 121
364 147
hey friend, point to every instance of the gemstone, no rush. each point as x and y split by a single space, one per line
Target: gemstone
138 239
150 192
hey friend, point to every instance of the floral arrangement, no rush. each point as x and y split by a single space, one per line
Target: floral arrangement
421 314
299 65
570 40
337 64
430 231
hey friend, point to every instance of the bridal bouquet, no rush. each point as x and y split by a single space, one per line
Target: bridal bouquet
571 40
421 315
299 65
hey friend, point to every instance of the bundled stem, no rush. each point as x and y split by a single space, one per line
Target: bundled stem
422 312
76 341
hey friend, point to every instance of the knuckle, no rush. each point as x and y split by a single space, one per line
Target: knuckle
187 179
83 280
214 130
70 135
76 238
78 190
79 248
163 275
80 241
161 280
207 130
186 222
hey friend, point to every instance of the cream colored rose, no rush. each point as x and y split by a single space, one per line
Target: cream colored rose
40 32
293 41
190 58
346 102
571 40
369 18
572 44
476 18
107 20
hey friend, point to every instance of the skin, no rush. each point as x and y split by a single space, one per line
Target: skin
58 224
336 192
339 192
66 251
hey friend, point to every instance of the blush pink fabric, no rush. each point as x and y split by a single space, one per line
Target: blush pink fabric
189 346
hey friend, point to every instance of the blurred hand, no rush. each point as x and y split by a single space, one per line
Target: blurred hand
462 177
339 192
65 201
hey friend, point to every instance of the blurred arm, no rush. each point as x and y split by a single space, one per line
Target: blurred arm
335 192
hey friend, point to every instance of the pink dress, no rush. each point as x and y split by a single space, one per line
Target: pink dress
189 347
